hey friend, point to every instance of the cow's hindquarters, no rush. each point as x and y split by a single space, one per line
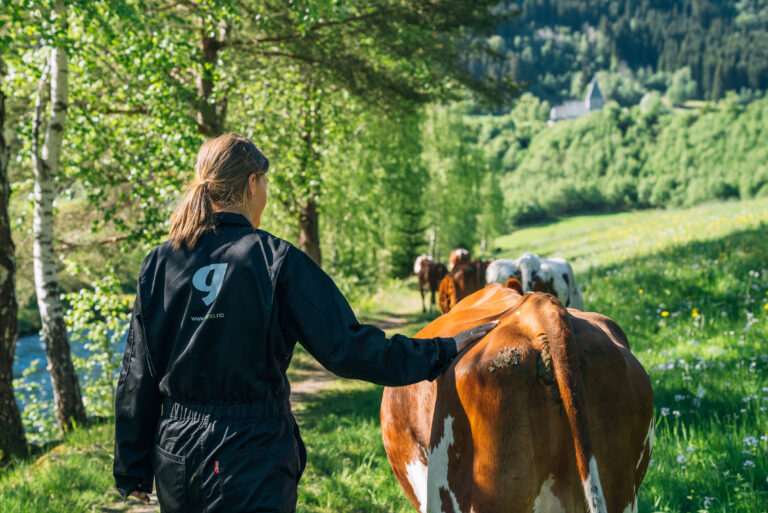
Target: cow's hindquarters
494 430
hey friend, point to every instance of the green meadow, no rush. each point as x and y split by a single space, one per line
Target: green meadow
689 287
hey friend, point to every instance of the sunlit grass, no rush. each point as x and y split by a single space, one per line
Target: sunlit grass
601 240
348 468
696 317
75 476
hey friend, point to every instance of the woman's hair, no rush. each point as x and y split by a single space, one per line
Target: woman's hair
224 165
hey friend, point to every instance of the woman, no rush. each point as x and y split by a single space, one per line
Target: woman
202 398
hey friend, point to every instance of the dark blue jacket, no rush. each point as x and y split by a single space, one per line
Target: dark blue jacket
211 337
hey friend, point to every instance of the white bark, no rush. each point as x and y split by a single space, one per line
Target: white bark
46 169
66 389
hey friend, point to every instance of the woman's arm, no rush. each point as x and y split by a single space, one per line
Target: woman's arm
137 410
315 313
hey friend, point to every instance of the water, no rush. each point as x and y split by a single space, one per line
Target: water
32 347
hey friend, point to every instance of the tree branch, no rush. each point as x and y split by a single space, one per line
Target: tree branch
324 24
288 55
67 245
139 109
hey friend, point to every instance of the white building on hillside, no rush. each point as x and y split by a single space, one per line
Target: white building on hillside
573 109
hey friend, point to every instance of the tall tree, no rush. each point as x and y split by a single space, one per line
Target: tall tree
66 389
12 440
211 110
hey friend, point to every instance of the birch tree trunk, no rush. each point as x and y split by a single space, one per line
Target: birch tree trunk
66 389
12 440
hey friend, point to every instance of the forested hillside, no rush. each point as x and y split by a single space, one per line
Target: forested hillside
558 45
625 158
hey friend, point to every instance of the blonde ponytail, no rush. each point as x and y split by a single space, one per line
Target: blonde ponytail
192 218
223 167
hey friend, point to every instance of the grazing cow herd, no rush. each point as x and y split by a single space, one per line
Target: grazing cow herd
548 413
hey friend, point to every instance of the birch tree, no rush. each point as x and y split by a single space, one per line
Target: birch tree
12 440
66 389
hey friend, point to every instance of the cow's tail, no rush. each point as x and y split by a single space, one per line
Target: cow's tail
555 341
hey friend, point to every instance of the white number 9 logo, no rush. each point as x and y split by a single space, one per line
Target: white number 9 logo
201 277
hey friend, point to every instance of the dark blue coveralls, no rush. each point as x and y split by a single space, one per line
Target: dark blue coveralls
202 398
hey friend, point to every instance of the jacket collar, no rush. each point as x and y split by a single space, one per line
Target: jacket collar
231 218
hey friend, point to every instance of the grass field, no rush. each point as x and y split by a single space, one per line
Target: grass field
689 287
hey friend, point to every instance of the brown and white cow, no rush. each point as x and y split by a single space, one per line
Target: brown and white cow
551 275
549 412
463 280
459 256
430 273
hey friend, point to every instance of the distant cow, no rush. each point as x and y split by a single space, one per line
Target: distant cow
430 273
462 281
550 412
458 257
551 275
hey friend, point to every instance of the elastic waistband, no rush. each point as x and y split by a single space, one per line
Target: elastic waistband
267 408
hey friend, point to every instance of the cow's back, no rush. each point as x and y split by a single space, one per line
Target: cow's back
493 425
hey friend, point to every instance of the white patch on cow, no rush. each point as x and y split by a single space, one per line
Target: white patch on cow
631 507
547 502
457 254
593 490
417 477
499 271
437 475
419 262
648 443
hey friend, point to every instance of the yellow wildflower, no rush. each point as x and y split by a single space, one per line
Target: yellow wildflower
639 291
695 312
665 314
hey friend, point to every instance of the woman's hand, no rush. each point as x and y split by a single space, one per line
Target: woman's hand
142 496
465 338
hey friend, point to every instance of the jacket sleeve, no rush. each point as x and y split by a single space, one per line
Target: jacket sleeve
137 410
314 312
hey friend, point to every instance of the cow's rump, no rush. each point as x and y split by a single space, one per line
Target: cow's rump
493 434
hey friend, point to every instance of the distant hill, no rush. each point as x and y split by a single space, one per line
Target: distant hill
559 45
625 158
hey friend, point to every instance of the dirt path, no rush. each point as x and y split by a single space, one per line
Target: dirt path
312 381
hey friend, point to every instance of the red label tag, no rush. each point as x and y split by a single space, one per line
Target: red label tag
216 466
